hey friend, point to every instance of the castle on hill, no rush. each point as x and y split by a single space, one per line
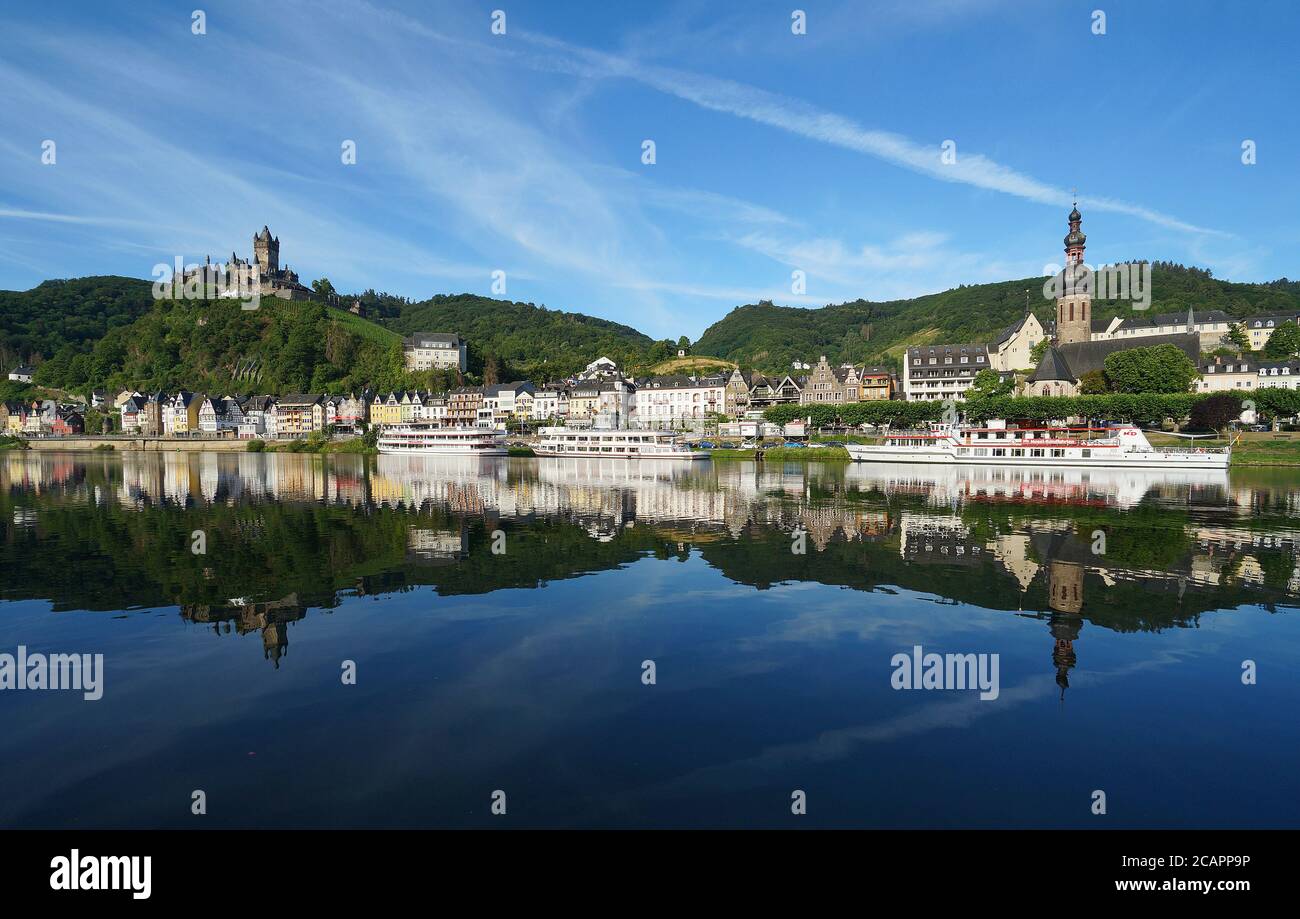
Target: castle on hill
264 270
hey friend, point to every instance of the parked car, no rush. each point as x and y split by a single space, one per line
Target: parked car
830 443
705 445
748 445
792 443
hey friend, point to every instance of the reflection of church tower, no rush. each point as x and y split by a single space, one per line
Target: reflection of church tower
1074 300
1065 629
1065 598
1065 586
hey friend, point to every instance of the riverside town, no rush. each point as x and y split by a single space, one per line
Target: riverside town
696 416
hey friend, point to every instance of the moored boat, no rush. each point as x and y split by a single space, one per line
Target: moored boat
614 444
1000 444
430 438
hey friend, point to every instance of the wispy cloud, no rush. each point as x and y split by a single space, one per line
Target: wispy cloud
806 120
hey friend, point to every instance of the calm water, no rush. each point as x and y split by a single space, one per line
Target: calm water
522 671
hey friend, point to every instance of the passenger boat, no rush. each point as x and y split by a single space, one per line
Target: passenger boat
1001 444
430 438
614 444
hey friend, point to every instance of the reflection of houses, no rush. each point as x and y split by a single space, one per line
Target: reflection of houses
436 547
925 538
271 618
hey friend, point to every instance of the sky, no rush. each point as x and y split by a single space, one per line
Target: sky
524 153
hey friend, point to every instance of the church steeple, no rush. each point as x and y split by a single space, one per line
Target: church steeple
1075 240
1074 299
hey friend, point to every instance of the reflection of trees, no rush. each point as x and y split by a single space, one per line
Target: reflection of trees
81 536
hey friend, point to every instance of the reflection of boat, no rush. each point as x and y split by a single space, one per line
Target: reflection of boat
1008 445
600 444
430 438
942 483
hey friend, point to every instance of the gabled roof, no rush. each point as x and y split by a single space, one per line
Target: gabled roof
1010 331
1052 367
1070 362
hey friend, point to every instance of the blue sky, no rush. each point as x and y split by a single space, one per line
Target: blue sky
522 152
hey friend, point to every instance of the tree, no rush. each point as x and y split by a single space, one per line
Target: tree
683 344
1238 338
989 383
1094 383
1162 369
1284 342
323 287
1215 413
1037 351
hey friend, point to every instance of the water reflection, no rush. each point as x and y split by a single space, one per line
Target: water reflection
1128 549
1081 578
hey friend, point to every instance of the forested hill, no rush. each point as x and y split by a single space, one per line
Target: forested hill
38 322
108 332
769 337
528 341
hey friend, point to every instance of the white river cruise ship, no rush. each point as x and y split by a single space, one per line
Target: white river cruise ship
1000 444
430 438
614 444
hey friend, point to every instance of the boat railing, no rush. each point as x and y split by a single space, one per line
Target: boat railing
1190 450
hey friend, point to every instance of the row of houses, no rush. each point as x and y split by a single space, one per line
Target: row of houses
189 414
40 417
603 399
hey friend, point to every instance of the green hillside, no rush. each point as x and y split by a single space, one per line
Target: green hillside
526 341
770 337
211 346
108 332
36 323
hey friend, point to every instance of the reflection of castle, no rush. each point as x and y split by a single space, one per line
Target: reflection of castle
271 618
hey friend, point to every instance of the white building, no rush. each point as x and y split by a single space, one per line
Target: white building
434 351
546 403
602 368
941 371
678 401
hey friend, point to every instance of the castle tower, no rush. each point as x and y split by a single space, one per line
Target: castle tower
1074 300
266 251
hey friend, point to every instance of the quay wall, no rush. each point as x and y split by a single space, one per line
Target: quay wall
151 444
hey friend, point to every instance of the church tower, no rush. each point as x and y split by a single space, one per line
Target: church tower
1074 299
266 251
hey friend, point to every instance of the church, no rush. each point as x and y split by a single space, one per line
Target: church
1081 346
